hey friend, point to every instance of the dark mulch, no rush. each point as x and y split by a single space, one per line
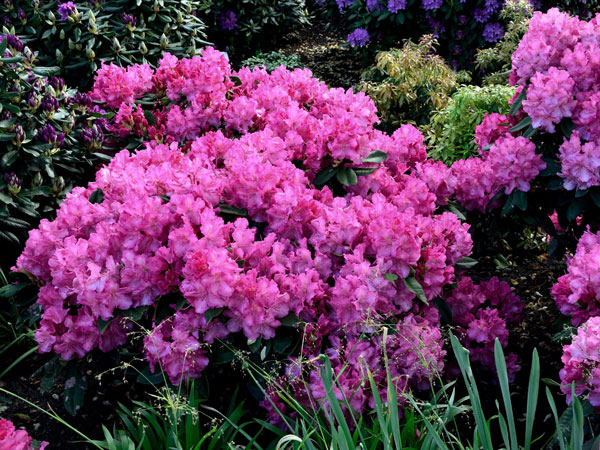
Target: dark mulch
324 50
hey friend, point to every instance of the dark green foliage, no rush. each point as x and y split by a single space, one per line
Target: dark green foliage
104 31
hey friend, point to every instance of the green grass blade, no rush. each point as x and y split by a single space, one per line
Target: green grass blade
504 388
532 397
465 368
560 436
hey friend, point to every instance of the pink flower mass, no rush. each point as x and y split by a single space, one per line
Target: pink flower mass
221 210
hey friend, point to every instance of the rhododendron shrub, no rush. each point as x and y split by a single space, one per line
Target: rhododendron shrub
577 293
552 132
13 439
257 198
481 313
581 361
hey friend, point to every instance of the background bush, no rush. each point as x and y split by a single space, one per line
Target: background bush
451 132
410 83
51 138
238 24
81 35
273 60
462 27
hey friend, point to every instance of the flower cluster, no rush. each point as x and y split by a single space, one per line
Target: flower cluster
581 361
13 439
578 292
558 63
510 164
481 313
413 353
248 143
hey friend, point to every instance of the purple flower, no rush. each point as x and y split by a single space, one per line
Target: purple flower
14 42
460 35
22 16
13 182
396 5
373 5
359 37
19 133
432 5
481 15
82 100
493 32
436 27
462 20
66 10
343 3
228 20
129 20
49 104
57 83
93 137
47 135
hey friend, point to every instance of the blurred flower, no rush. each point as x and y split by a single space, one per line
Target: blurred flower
359 37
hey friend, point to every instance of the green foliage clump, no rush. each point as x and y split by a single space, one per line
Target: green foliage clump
410 83
119 31
246 23
51 140
496 61
451 131
273 60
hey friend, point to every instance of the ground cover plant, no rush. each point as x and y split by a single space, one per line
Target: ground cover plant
258 227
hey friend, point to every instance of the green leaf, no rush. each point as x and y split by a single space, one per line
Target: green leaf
567 126
103 325
227 209
9 158
75 386
377 156
362 171
516 106
3 45
289 321
135 314
520 199
97 196
444 310
576 208
595 195
6 137
237 81
415 287
529 132
524 123
465 262
390 277
10 289
325 175
46 71
347 176
212 313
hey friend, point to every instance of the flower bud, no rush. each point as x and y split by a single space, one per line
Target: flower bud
58 185
19 135
62 36
143 48
164 41
179 17
37 180
116 45
13 183
90 54
156 6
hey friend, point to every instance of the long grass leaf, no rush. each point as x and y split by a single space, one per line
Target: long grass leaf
505 389
532 397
